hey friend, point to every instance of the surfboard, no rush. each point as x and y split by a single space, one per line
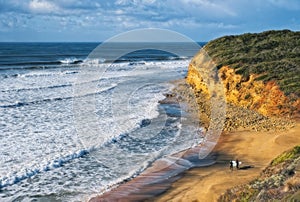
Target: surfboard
234 163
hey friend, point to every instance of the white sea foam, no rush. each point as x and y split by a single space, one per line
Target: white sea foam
93 62
16 176
71 60
41 139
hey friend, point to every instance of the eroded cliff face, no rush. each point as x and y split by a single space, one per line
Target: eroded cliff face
266 98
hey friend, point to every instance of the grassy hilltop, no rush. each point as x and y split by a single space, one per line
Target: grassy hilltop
274 55
260 72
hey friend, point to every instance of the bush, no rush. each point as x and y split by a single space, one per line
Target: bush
286 156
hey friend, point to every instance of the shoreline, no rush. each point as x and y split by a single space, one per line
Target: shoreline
165 181
255 149
159 175
154 181
207 183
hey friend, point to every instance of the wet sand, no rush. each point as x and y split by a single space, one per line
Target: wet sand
252 148
156 179
176 182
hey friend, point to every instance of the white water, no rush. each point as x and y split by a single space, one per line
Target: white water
44 153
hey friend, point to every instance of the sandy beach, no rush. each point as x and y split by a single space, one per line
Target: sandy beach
207 183
252 148
253 139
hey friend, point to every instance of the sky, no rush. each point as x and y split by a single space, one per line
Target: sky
98 20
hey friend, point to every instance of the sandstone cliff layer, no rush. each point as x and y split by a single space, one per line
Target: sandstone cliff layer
263 87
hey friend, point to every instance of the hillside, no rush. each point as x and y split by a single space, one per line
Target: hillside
273 55
260 72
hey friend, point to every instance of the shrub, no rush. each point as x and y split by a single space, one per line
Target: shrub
286 156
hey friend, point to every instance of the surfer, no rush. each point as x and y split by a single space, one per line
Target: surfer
231 165
237 164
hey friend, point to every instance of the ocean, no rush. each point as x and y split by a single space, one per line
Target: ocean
73 125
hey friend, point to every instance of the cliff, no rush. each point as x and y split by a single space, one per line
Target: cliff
260 72
260 75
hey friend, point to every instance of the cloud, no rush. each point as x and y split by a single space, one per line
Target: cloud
42 6
215 8
105 17
135 2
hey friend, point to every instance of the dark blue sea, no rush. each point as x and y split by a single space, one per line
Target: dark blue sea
76 121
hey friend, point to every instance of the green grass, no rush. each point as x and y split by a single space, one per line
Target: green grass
248 194
274 55
286 156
